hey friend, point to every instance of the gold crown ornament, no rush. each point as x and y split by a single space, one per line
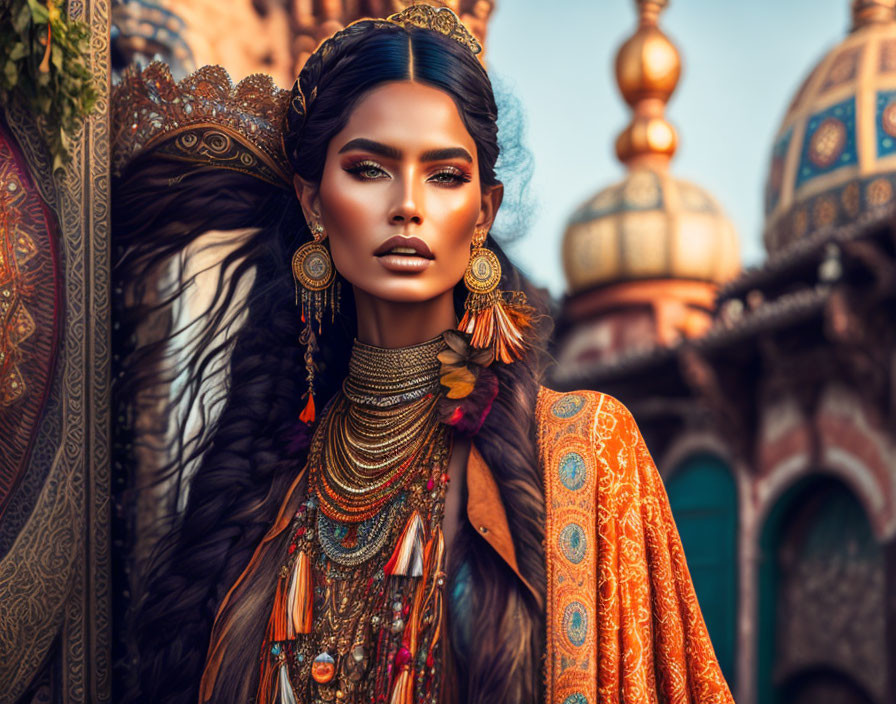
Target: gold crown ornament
202 119
423 16
438 19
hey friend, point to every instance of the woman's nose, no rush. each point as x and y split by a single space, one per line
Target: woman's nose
407 209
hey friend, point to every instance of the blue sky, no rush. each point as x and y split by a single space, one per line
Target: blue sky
742 63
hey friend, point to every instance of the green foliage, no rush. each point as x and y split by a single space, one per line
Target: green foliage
54 83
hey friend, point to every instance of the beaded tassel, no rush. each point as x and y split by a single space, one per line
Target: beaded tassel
300 599
403 686
313 272
309 340
407 560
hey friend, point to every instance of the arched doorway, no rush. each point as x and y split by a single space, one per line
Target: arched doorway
825 686
703 497
822 635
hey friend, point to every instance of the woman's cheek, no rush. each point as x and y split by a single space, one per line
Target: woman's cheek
350 210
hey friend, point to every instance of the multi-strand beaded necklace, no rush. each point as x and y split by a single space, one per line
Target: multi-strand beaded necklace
357 614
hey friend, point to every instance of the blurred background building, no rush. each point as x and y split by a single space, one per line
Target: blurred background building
767 396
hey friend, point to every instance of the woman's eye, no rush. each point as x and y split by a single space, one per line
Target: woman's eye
449 177
367 171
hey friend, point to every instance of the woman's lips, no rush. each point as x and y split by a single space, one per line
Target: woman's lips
408 245
404 254
404 263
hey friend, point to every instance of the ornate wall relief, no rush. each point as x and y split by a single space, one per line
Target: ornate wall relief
54 488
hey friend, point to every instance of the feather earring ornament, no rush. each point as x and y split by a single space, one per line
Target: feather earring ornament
470 386
493 318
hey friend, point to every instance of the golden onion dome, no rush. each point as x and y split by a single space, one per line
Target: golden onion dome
834 155
650 225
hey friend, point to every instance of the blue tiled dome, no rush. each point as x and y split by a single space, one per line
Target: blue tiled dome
834 156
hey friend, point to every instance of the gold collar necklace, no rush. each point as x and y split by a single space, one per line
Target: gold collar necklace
383 377
381 432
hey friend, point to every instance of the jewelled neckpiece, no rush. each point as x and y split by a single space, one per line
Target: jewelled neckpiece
384 426
358 607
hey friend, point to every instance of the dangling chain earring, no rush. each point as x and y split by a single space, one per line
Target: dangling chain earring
493 317
312 269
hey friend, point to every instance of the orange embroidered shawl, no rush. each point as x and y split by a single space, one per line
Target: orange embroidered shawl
623 623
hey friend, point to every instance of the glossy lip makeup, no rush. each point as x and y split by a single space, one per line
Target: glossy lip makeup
400 254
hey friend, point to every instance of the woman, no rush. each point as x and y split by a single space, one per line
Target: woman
437 527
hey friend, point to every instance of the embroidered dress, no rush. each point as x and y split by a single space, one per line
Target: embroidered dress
623 622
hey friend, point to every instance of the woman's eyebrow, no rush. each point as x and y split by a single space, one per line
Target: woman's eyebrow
374 147
369 145
448 153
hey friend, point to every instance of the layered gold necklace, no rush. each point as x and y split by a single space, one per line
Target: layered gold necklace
358 607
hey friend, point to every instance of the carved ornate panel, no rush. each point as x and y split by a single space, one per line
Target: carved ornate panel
54 467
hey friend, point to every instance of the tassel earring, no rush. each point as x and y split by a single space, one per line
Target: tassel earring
495 319
313 272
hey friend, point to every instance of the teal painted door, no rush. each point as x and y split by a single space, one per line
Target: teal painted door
703 497
822 631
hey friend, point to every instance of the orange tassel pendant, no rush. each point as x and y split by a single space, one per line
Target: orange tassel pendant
300 598
278 626
308 414
512 323
498 320
407 560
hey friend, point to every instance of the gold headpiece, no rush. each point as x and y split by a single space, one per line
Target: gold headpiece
202 119
437 19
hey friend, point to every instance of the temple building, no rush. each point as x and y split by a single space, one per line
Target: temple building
766 397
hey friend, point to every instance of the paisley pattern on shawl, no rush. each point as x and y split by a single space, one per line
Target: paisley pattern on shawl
623 621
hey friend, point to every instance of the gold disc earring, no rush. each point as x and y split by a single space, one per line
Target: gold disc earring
313 271
312 266
492 317
483 272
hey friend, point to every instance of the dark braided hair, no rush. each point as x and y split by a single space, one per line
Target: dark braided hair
246 456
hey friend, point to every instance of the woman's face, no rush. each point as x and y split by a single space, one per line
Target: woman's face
400 195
